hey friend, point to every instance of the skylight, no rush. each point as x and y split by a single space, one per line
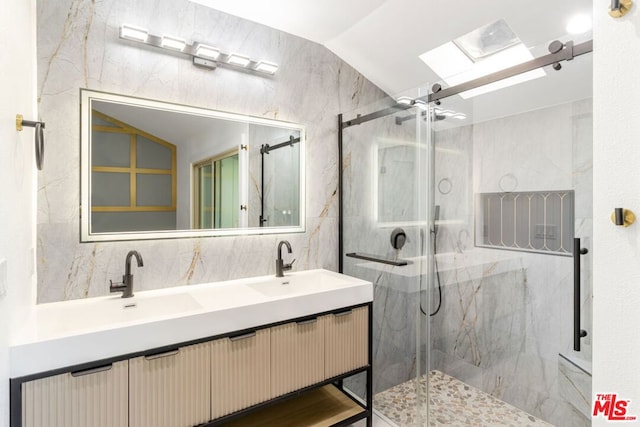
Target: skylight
487 40
481 52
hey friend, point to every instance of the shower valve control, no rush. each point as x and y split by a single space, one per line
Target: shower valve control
398 238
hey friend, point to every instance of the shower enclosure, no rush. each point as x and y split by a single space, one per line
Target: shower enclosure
384 232
472 218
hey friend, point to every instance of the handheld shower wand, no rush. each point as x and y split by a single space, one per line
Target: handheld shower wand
434 230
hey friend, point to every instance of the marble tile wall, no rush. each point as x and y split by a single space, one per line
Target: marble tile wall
502 333
575 386
78 47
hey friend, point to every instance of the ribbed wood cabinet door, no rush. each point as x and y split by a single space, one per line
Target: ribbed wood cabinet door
297 355
96 398
346 341
170 389
240 372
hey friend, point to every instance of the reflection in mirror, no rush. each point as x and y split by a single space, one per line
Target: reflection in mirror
216 192
279 161
395 162
156 170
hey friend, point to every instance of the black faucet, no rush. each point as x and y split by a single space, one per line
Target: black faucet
281 267
126 286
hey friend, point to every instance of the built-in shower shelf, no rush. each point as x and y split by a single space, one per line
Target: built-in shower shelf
380 259
323 407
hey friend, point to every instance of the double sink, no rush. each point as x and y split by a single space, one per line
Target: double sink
73 332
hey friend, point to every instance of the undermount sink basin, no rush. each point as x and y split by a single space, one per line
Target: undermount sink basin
298 284
108 311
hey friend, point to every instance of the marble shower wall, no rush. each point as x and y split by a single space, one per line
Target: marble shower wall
78 47
502 331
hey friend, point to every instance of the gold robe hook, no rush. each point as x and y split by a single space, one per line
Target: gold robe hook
619 8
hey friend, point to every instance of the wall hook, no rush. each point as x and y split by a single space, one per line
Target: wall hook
623 217
39 137
619 8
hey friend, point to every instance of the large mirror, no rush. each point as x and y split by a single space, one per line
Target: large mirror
152 169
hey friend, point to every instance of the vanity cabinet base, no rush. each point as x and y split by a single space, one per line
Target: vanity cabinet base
170 389
94 397
286 374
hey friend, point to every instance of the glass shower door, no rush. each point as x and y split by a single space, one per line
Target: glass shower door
385 235
512 191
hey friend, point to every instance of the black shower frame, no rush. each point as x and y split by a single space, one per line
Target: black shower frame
559 52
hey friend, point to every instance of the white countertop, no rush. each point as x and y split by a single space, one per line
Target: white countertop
69 333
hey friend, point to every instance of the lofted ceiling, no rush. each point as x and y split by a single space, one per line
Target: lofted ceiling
382 39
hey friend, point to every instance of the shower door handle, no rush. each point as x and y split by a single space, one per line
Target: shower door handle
577 332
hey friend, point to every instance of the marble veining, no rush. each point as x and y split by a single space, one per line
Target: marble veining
575 386
78 47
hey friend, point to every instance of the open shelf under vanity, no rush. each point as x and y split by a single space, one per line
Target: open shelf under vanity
321 407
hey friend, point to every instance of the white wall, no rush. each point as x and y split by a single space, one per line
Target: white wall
17 176
616 184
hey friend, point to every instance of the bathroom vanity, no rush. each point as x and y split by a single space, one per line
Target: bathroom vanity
243 352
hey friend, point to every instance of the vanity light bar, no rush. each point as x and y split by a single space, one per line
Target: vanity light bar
173 43
267 67
207 52
203 55
239 60
134 33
